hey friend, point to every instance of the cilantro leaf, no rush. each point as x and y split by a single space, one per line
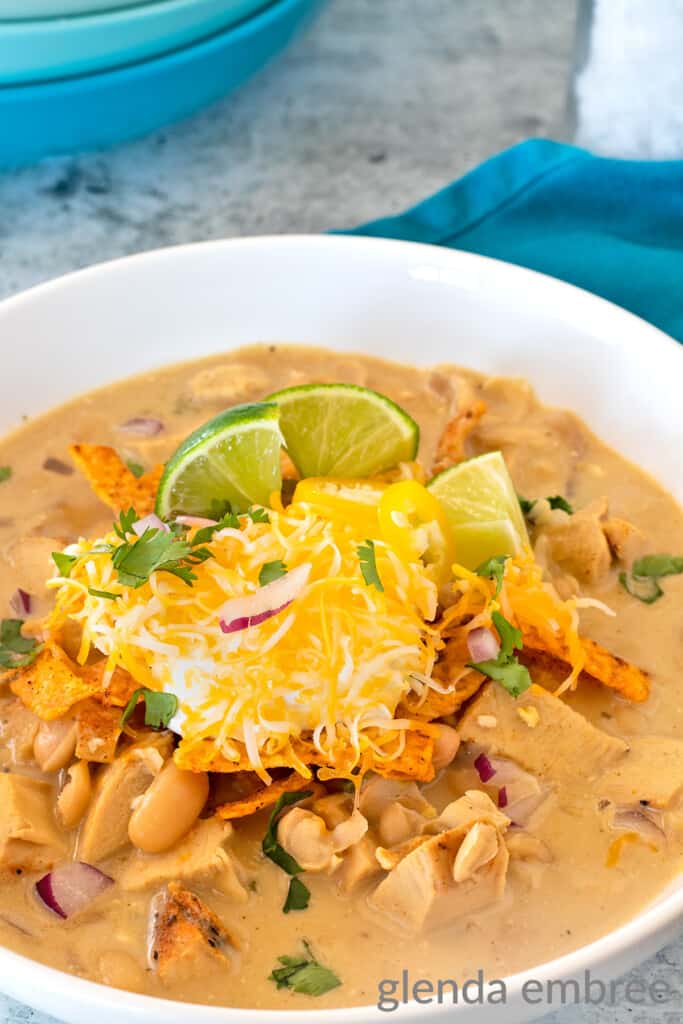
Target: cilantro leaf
658 565
271 571
136 469
505 668
368 565
159 707
557 501
525 505
64 563
643 580
494 569
106 594
510 637
205 535
298 896
5 473
156 551
124 524
16 651
258 515
270 845
304 975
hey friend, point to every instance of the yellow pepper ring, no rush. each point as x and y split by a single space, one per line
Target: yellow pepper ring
403 509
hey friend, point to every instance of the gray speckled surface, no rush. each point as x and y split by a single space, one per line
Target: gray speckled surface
380 103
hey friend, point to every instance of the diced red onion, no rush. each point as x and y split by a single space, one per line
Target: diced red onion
484 768
69 888
198 521
242 612
143 426
482 644
150 522
53 465
502 797
20 602
524 794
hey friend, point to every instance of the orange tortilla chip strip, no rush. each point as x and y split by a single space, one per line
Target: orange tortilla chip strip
414 762
118 690
451 668
113 482
451 447
601 665
98 730
51 685
265 796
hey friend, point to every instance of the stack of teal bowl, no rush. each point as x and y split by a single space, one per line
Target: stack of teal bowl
83 74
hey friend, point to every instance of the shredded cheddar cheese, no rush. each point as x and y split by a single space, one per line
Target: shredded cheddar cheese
333 665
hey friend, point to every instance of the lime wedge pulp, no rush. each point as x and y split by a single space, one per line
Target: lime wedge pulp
233 458
483 509
343 430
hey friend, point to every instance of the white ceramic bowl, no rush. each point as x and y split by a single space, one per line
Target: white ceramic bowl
409 302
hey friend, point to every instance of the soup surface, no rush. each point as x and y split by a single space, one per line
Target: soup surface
594 844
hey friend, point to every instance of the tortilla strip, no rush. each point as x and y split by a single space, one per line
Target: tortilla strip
265 796
413 763
451 447
451 669
98 729
601 665
52 684
113 482
118 690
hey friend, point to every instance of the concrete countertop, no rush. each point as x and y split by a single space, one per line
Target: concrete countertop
379 104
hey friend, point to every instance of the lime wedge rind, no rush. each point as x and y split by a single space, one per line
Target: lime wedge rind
234 458
344 430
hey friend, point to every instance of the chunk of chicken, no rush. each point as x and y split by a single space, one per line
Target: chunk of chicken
652 771
18 728
378 793
105 829
564 744
199 857
448 876
28 837
187 938
473 806
359 864
578 544
626 541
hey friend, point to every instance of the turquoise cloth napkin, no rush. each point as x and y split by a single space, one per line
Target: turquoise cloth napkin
614 227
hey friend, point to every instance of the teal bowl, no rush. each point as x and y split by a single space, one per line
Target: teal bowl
21 10
93 111
49 48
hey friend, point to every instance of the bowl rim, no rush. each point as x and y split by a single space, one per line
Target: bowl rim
639 931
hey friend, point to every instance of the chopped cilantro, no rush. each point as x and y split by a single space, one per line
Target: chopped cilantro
124 524
270 845
643 580
505 668
159 707
304 974
368 565
557 501
494 569
64 563
5 473
16 651
298 896
271 571
258 515
106 594
136 469
228 521
154 551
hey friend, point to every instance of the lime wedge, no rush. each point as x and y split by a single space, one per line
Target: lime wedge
482 508
233 458
343 430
